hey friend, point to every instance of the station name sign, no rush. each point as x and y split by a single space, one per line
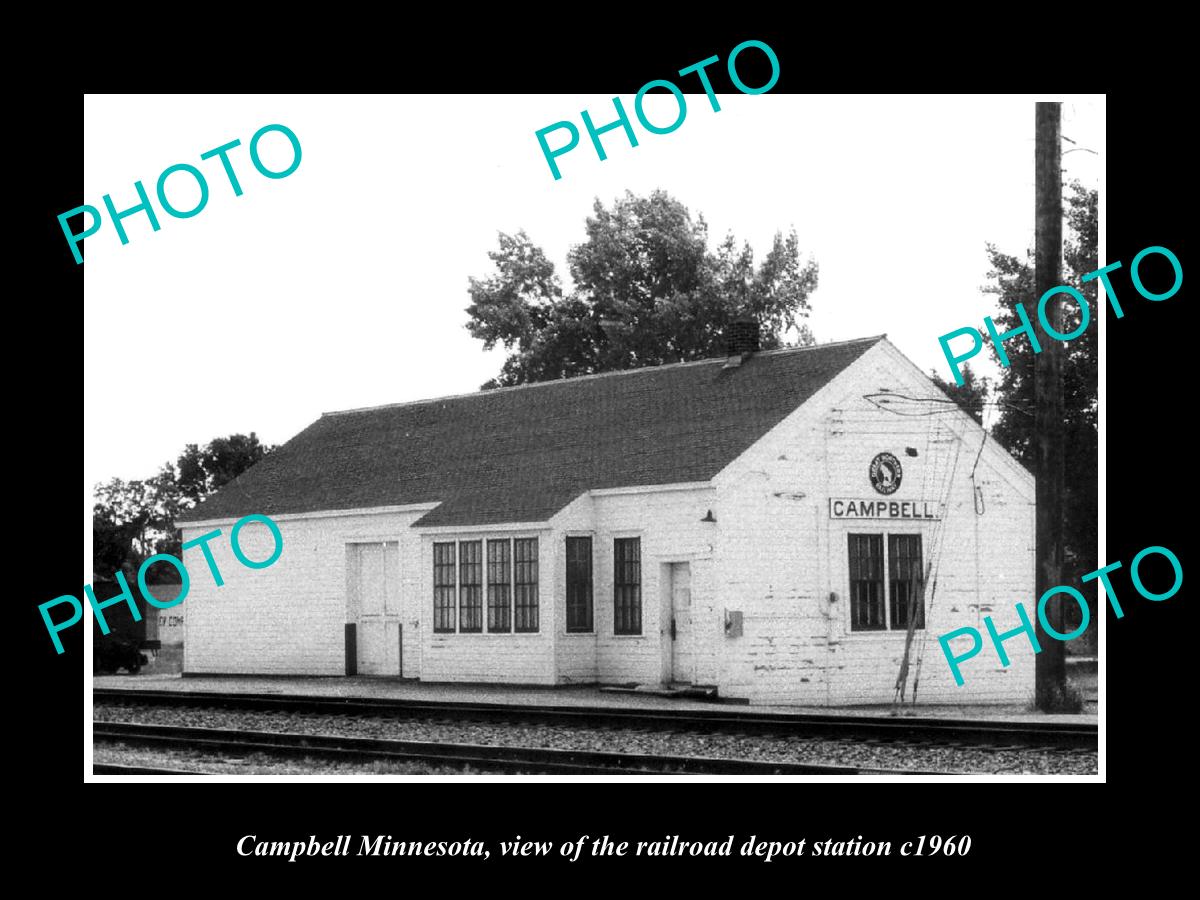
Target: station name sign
848 508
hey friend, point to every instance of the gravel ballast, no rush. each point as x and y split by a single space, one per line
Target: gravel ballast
870 754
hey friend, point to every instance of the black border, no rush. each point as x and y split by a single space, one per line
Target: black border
1149 473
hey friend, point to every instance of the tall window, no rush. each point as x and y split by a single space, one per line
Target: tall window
443 587
579 584
525 584
627 586
866 582
470 586
499 586
904 580
507 576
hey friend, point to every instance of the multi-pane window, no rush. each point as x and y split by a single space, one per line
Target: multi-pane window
507 577
443 587
579 584
904 578
627 586
866 582
525 584
499 586
470 586
869 610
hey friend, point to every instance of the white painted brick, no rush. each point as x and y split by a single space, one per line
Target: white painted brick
773 553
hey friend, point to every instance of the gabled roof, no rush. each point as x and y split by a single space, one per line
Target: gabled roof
521 454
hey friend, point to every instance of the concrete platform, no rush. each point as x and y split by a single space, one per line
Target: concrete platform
538 696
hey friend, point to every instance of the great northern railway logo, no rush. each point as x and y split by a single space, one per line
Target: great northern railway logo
885 473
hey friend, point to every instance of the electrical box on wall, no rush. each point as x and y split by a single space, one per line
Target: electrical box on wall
733 623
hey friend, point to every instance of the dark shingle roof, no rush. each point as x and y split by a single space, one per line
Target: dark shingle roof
521 454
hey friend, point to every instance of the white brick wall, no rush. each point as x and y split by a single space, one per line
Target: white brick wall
575 654
513 658
668 524
670 529
288 619
773 553
782 558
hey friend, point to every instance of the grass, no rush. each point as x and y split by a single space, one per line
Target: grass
1066 698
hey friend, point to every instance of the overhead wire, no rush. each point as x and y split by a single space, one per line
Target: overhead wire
884 400
938 544
893 403
902 675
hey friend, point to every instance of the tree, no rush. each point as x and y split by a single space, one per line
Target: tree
122 516
203 470
113 534
647 290
1011 280
133 520
971 395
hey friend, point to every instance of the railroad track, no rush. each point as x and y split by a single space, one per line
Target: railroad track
488 758
884 729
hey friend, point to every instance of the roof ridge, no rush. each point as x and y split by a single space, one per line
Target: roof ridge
575 378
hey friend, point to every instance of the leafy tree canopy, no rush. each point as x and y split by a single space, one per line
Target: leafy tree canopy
203 470
971 395
1011 281
133 520
647 290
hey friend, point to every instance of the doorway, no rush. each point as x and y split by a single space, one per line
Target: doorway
680 630
373 606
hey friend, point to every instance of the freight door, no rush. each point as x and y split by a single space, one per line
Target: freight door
373 601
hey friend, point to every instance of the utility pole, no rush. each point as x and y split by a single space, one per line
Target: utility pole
1050 664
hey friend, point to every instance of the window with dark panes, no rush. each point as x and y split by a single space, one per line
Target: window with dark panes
443 587
525 584
866 582
627 586
499 586
470 586
579 584
905 577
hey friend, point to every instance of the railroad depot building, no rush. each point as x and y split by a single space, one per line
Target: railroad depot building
769 524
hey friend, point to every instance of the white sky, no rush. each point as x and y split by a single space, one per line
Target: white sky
345 284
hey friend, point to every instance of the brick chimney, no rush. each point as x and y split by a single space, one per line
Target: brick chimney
742 337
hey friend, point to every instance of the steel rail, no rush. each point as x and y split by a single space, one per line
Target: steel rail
989 734
485 757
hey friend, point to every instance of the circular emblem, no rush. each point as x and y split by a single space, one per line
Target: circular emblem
885 473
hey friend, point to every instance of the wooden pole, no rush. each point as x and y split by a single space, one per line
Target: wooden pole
1050 664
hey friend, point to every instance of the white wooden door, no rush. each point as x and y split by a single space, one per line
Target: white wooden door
683 657
374 576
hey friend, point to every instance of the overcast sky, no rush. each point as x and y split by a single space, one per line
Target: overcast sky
345 284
